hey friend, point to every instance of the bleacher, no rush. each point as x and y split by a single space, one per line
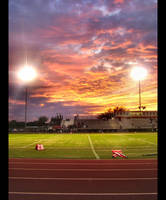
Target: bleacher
142 123
98 124
123 121
93 124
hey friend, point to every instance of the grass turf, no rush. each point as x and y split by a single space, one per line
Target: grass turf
83 146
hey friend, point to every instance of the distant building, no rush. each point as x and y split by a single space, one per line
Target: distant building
127 120
67 122
137 114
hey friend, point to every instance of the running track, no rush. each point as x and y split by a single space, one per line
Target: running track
49 179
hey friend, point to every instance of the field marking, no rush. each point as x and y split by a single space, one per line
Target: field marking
92 147
31 144
83 194
146 141
84 179
36 142
44 169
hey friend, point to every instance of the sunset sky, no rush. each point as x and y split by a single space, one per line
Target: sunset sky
83 51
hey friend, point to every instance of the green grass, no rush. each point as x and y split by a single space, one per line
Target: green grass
77 146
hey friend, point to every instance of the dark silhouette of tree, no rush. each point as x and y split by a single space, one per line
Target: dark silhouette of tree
42 120
107 115
56 120
33 123
12 124
110 113
15 124
119 109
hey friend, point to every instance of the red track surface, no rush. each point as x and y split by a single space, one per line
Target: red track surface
48 179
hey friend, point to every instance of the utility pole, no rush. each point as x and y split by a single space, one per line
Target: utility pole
140 96
26 101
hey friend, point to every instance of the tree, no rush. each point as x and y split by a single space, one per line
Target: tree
56 120
12 124
119 109
15 124
110 113
107 115
42 120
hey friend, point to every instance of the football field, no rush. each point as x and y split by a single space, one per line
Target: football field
83 146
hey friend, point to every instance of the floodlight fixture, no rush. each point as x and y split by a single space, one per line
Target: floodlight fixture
138 74
27 74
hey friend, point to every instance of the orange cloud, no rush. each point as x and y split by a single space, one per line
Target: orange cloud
84 53
118 1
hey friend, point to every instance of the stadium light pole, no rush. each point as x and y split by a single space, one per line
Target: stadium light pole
26 74
138 74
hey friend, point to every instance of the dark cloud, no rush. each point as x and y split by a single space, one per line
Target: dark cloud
65 39
100 68
35 110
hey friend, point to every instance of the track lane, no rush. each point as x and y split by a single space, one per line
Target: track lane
115 179
83 174
82 196
81 160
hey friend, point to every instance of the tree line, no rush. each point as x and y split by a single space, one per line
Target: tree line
43 120
110 113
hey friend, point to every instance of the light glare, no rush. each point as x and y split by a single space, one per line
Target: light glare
27 74
138 73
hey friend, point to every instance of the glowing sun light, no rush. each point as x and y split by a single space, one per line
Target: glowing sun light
138 73
27 74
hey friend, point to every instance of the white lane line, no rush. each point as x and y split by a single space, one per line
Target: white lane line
76 163
92 147
84 194
83 179
44 169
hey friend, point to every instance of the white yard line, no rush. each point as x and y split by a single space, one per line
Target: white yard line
83 194
84 179
36 142
146 141
92 147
